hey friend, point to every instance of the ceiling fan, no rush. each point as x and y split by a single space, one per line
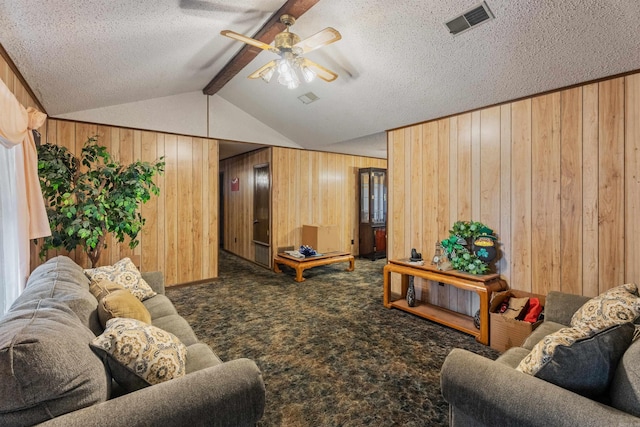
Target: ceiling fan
291 64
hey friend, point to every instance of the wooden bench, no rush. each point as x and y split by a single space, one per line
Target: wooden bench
301 264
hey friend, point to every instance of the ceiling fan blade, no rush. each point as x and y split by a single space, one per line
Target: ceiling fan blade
256 74
322 73
248 40
321 38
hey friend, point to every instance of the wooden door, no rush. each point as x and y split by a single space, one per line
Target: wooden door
261 196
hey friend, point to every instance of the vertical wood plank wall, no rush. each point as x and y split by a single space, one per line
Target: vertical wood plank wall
557 176
180 237
16 87
238 205
307 187
311 187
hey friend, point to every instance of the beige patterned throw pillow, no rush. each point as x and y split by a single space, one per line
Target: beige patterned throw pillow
613 307
138 355
542 353
125 273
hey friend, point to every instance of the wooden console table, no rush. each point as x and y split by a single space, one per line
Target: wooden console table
483 285
301 264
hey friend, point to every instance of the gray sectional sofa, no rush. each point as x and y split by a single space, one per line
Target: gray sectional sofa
483 392
49 376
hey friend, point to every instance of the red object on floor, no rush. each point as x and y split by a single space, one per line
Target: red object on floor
534 310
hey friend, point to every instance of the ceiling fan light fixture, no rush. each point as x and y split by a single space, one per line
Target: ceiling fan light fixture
284 65
307 73
288 76
268 73
292 66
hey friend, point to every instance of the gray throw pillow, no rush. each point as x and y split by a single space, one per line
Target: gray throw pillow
583 364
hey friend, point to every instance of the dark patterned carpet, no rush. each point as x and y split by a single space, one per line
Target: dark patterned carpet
331 354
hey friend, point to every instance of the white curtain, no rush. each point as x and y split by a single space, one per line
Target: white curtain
10 266
22 211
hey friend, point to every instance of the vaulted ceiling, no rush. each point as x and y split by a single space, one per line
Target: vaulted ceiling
397 62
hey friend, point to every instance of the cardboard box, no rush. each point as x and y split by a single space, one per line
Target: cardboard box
322 238
504 332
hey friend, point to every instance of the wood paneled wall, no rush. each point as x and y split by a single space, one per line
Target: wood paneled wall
180 237
311 187
557 176
238 205
307 187
12 80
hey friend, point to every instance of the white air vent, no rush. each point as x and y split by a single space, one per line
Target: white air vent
308 98
469 19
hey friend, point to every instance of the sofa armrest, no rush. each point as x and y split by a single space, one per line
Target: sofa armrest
560 307
155 279
228 394
495 394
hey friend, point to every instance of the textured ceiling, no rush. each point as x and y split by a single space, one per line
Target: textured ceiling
397 63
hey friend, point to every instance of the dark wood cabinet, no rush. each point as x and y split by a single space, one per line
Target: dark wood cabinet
373 212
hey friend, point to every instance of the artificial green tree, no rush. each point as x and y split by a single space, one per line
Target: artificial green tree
92 195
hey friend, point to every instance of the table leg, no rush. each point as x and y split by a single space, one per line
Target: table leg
386 286
299 271
276 268
352 265
483 338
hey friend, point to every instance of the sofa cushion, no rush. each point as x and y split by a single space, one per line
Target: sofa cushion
617 305
62 279
122 303
138 355
200 356
178 326
560 307
625 387
513 356
547 327
159 306
46 365
579 360
125 273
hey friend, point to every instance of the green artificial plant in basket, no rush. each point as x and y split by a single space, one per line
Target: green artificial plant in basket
93 195
458 246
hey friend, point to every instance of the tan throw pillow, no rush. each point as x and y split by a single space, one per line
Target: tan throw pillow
120 303
103 287
613 307
125 273
139 355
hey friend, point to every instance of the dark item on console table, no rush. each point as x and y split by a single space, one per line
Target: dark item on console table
411 293
415 255
484 285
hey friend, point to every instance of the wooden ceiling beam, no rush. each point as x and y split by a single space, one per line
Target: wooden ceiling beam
266 34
